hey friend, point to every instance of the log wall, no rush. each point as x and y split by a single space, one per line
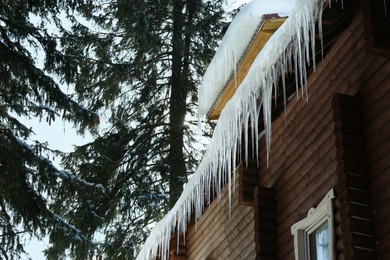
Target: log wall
305 161
304 156
221 234
354 230
375 96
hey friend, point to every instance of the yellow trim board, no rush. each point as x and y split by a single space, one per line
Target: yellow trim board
265 32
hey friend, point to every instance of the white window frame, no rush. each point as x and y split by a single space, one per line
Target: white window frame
315 218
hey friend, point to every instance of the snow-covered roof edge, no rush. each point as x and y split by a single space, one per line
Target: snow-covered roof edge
233 46
291 45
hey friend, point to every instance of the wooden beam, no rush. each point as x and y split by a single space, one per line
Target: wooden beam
267 29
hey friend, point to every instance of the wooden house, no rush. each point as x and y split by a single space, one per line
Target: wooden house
324 193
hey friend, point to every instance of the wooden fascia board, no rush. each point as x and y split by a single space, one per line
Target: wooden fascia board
267 29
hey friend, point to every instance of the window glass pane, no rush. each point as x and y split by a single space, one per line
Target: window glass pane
319 243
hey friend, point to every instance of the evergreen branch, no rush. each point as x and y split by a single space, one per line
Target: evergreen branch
65 175
13 233
50 87
76 232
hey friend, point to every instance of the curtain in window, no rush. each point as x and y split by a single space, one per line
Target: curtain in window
319 243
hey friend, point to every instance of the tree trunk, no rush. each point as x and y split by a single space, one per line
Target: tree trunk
177 108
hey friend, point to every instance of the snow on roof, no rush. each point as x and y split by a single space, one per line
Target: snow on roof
291 45
233 46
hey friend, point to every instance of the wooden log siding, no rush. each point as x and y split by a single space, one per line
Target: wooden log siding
375 103
248 178
354 228
178 248
305 163
265 224
303 158
221 234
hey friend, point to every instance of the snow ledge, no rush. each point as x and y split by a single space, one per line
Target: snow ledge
233 47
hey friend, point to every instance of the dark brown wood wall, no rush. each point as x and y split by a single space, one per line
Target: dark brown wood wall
303 159
305 155
221 234
265 223
375 98
354 230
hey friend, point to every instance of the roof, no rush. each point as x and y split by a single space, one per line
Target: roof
292 43
270 23
234 45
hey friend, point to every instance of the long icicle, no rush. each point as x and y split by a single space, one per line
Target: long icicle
287 41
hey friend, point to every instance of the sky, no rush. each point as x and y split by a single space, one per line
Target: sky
62 136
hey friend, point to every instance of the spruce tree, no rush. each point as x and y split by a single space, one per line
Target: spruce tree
138 63
29 182
141 65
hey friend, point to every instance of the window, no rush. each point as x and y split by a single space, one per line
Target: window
377 23
314 235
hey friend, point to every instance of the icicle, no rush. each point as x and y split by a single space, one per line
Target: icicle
290 47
